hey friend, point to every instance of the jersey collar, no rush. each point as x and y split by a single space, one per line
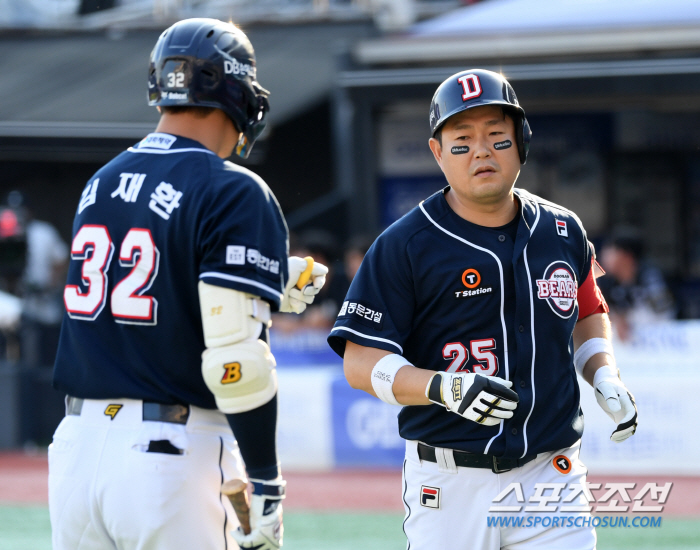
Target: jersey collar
159 141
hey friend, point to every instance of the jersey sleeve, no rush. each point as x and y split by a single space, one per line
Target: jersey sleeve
378 308
590 297
244 241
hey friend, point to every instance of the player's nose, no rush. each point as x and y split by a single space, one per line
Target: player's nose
482 148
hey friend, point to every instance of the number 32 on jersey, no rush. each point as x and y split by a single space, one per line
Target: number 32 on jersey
93 245
486 362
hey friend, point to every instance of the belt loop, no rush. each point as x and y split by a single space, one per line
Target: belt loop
445 461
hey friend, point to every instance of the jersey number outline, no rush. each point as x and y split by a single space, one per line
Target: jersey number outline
481 351
128 303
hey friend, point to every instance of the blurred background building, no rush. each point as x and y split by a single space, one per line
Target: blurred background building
611 90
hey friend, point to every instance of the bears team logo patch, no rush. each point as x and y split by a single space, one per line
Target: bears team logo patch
430 496
112 410
561 464
559 287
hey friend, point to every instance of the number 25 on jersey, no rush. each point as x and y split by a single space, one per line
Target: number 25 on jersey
482 351
93 245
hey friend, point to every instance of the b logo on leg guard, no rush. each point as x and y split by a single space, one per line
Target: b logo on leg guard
561 464
430 496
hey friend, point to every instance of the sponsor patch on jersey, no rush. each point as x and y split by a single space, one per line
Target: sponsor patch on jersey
559 287
561 464
362 313
239 255
158 141
430 496
235 255
471 278
562 231
112 410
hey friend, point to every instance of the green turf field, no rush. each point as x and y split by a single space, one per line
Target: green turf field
27 528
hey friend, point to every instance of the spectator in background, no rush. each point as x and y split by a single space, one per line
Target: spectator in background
323 247
41 286
355 252
634 289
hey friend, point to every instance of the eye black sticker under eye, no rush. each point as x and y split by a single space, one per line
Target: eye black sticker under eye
502 145
459 149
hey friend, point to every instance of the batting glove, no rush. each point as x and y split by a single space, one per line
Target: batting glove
295 299
617 401
265 517
483 399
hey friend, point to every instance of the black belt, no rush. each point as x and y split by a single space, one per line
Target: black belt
157 412
472 460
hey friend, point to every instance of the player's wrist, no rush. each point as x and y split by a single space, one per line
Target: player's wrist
606 373
433 391
383 375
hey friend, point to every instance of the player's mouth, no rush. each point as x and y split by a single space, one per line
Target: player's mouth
484 171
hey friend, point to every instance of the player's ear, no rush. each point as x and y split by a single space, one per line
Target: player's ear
436 148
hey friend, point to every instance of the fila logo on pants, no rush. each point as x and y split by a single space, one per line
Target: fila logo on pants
430 496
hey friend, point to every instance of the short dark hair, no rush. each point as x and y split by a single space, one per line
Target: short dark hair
199 112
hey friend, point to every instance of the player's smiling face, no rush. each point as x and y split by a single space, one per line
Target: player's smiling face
479 155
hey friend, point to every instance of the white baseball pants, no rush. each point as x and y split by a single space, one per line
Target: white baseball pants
448 506
106 492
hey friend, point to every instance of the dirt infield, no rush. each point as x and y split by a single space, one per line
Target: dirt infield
23 480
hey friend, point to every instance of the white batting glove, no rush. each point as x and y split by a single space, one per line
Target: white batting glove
483 399
265 517
295 300
617 401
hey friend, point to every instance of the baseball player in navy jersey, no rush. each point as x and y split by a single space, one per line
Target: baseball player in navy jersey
178 258
475 311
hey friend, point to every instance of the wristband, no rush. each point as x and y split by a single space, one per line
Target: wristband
433 390
383 375
606 371
588 349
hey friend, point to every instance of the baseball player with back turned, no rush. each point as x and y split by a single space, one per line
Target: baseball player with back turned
177 259
467 312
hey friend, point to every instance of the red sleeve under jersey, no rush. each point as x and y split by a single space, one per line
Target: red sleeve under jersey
590 298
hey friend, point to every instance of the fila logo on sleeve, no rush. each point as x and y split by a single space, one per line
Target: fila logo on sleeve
430 496
561 228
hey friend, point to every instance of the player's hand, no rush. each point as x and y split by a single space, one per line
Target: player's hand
483 399
306 278
265 517
617 401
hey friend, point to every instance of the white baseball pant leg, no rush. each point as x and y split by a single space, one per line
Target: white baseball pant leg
107 493
455 505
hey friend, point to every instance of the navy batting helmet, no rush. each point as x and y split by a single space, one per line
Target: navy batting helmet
209 63
475 88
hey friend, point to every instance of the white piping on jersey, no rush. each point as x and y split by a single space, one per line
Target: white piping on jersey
171 151
532 330
369 337
503 322
243 280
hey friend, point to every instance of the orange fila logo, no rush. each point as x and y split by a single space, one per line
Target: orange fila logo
561 464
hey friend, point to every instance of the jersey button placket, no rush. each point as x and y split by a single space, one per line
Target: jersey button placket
502 238
521 328
514 431
523 383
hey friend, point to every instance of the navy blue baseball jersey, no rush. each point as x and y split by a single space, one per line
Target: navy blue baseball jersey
453 296
150 224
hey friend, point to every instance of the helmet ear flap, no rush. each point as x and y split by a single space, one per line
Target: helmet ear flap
523 135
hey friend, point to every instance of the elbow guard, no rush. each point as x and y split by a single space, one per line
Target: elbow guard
238 367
